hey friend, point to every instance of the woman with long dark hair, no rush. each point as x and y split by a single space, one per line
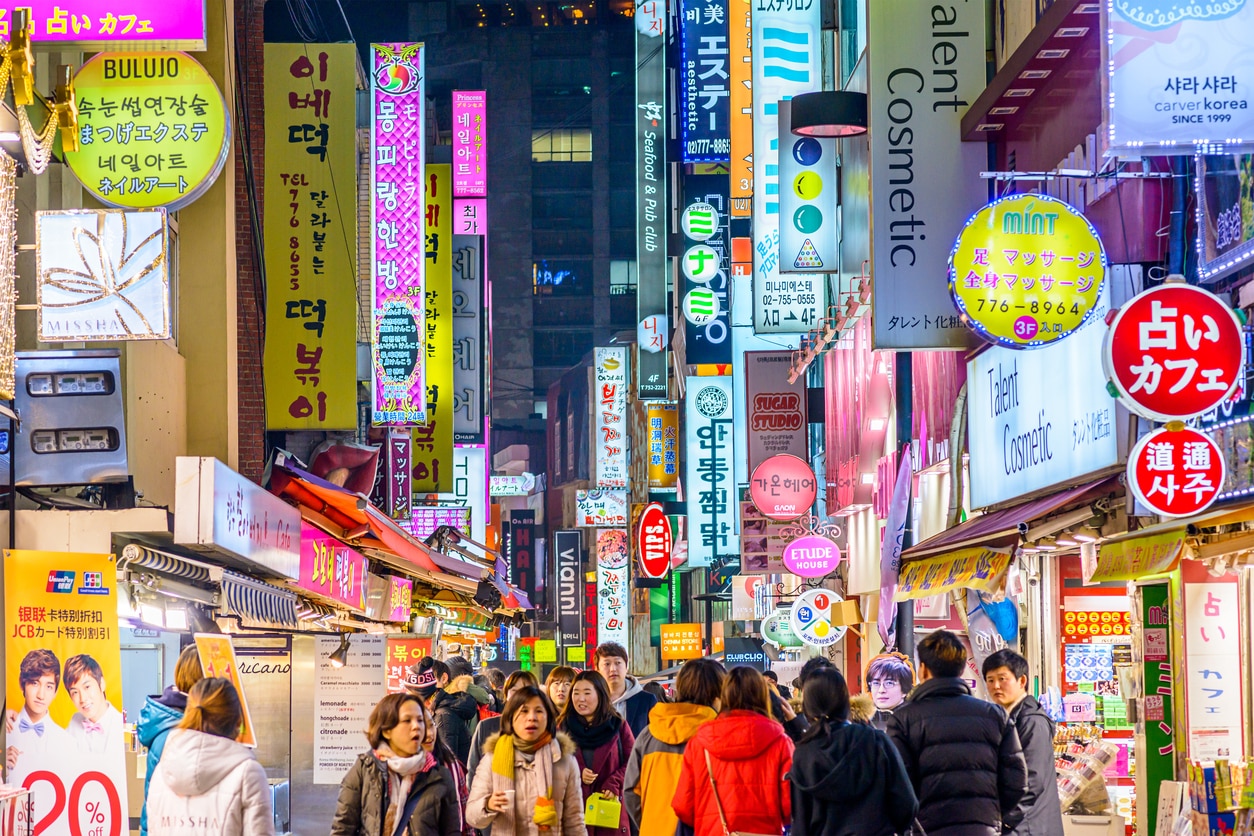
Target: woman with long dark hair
603 742
515 682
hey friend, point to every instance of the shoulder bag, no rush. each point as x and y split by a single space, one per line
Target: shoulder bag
718 804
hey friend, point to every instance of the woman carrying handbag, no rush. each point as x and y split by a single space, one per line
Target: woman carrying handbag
603 742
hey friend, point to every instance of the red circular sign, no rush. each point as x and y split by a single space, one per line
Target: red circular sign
653 533
1174 352
783 487
1176 473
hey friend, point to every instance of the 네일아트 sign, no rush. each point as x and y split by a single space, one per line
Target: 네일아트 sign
103 274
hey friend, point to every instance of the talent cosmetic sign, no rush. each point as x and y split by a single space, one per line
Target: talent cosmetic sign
1040 417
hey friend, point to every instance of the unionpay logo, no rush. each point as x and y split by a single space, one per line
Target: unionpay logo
60 581
93 584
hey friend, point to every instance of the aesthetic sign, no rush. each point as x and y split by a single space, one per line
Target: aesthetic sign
94 25
601 509
1214 684
568 547
1225 208
1174 352
812 556
103 274
652 276
610 408
809 237
331 569
469 350
1176 473
397 263
433 440
778 421
708 475
924 178
1027 270
681 642
707 304
470 143
654 540
310 237
1166 95
783 487
705 82
153 129
663 442
811 618
613 594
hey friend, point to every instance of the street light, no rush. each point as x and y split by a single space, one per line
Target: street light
339 656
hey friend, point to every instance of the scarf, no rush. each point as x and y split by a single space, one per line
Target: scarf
545 750
401 775
588 736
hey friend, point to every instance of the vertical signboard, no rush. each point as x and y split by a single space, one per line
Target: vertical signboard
433 440
663 441
786 56
925 181
397 467
613 592
705 82
522 545
740 46
1155 725
610 409
470 486
1214 686
567 545
396 253
652 276
709 480
470 143
778 415
311 237
469 385
707 331
808 237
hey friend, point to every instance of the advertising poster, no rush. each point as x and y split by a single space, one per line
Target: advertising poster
663 444
610 410
217 659
344 698
433 441
705 85
778 414
613 593
402 653
311 237
652 275
63 677
708 473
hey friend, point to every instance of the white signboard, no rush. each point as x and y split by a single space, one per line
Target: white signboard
613 594
809 238
609 408
786 62
1213 681
1042 417
470 486
929 66
1179 76
709 482
600 509
343 700
519 485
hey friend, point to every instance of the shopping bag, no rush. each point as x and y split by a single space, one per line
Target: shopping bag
602 810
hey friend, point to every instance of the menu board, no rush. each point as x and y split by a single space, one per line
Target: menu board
343 700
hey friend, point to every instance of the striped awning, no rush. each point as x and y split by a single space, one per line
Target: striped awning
135 556
258 604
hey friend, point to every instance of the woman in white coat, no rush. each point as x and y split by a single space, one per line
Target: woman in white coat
206 783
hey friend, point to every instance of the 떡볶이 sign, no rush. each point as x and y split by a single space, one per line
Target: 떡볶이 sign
1176 473
610 409
783 487
653 538
1027 270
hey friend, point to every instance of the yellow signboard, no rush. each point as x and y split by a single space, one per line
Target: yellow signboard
663 443
1136 557
311 237
433 441
1027 270
681 641
977 568
217 659
740 39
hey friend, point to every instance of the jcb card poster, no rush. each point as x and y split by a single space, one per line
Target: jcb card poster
64 677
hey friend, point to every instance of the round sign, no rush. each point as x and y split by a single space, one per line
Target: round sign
1174 352
651 333
1176 472
812 556
699 221
653 534
811 618
783 487
777 630
700 263
153 129
1026 271
701 306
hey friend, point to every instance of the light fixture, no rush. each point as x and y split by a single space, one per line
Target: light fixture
175 616
1047 544
868 478
829 113
339 656
1066 539
877 424
1086 535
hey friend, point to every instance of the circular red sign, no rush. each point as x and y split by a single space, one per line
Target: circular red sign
653 534
1176 473
1174 352
783 487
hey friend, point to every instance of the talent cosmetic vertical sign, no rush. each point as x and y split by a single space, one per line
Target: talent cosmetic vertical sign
786 55
610 410
568 545
925 181
652 275
705 83
709 480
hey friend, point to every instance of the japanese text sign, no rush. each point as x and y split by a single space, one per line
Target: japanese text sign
654 540
652 273
708 476
433 440
92 25
610 410
331 569
1137 557
705 82
783 487
1027 270
152 129
663 444
707 288
601 509
1213 676
1174 352
427 518
740 57
310 237
397 467
778 414
809 235
402 654
397 262
469 351
681 641
400 598
1176 473
470 143
613 593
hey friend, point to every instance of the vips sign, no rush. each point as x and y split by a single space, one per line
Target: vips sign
654 538
567 544
1176 473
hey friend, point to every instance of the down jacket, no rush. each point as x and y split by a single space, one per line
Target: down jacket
455 715
963 757
566 795
1040 807
159 716
751 757
655 763
208 786
363 801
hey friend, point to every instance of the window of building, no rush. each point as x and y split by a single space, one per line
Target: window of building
560 349
561 277
561 145
622 278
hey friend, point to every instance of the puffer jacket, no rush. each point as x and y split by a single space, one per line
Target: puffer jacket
751 756
363 803
963 757
453 716
1040 807
159 716
655 762
566 795
208 786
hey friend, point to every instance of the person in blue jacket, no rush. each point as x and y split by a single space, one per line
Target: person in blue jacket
161 714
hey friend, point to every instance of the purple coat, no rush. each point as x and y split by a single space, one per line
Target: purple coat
609 762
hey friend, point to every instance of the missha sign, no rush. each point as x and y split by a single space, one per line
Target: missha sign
1040 418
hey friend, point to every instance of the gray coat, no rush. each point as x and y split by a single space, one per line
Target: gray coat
1040 807
363 801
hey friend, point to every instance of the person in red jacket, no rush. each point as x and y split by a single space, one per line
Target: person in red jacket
603 742
735 773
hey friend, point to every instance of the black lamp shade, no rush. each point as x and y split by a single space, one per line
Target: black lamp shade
829 113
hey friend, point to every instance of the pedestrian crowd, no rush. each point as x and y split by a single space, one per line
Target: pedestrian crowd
596 753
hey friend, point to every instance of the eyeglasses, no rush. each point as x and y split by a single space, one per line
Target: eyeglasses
882 683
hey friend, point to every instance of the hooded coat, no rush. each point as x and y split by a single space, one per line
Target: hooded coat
655 763
849 781
207 785
363 801
1040 808
454 713
634 705
566 795
159 716
751 757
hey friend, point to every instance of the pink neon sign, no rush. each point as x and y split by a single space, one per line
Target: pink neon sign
331 569
101 24
470 143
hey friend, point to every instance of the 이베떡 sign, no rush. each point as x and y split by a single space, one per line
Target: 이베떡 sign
95 25
1176 473
705 82
778 413
808 230
470 143
783 487
708 474
153 129
1027 270
610 409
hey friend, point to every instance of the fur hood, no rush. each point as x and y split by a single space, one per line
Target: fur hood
861 708
460 684
568 745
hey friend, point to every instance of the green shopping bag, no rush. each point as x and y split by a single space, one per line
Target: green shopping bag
602 810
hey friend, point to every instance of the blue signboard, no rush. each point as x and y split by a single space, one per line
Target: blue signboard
705 82
711 342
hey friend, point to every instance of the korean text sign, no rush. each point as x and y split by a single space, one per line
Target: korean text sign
1176 473
400 598
64 680
92 25
403 652
681 641
331 569
708 475
610 408
469 349
470 143
705 82
397 208
613 592
311 237
433 440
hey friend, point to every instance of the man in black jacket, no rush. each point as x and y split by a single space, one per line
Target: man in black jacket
962 754
1006 676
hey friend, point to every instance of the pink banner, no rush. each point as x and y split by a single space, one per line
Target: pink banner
331 569
470 216
470 143
397 241
97 24
401 598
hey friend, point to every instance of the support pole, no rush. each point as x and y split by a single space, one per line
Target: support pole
903 383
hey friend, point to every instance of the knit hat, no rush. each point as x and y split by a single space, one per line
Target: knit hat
420 682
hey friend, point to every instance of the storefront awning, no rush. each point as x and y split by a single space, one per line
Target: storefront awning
135 556
258 604
978 568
